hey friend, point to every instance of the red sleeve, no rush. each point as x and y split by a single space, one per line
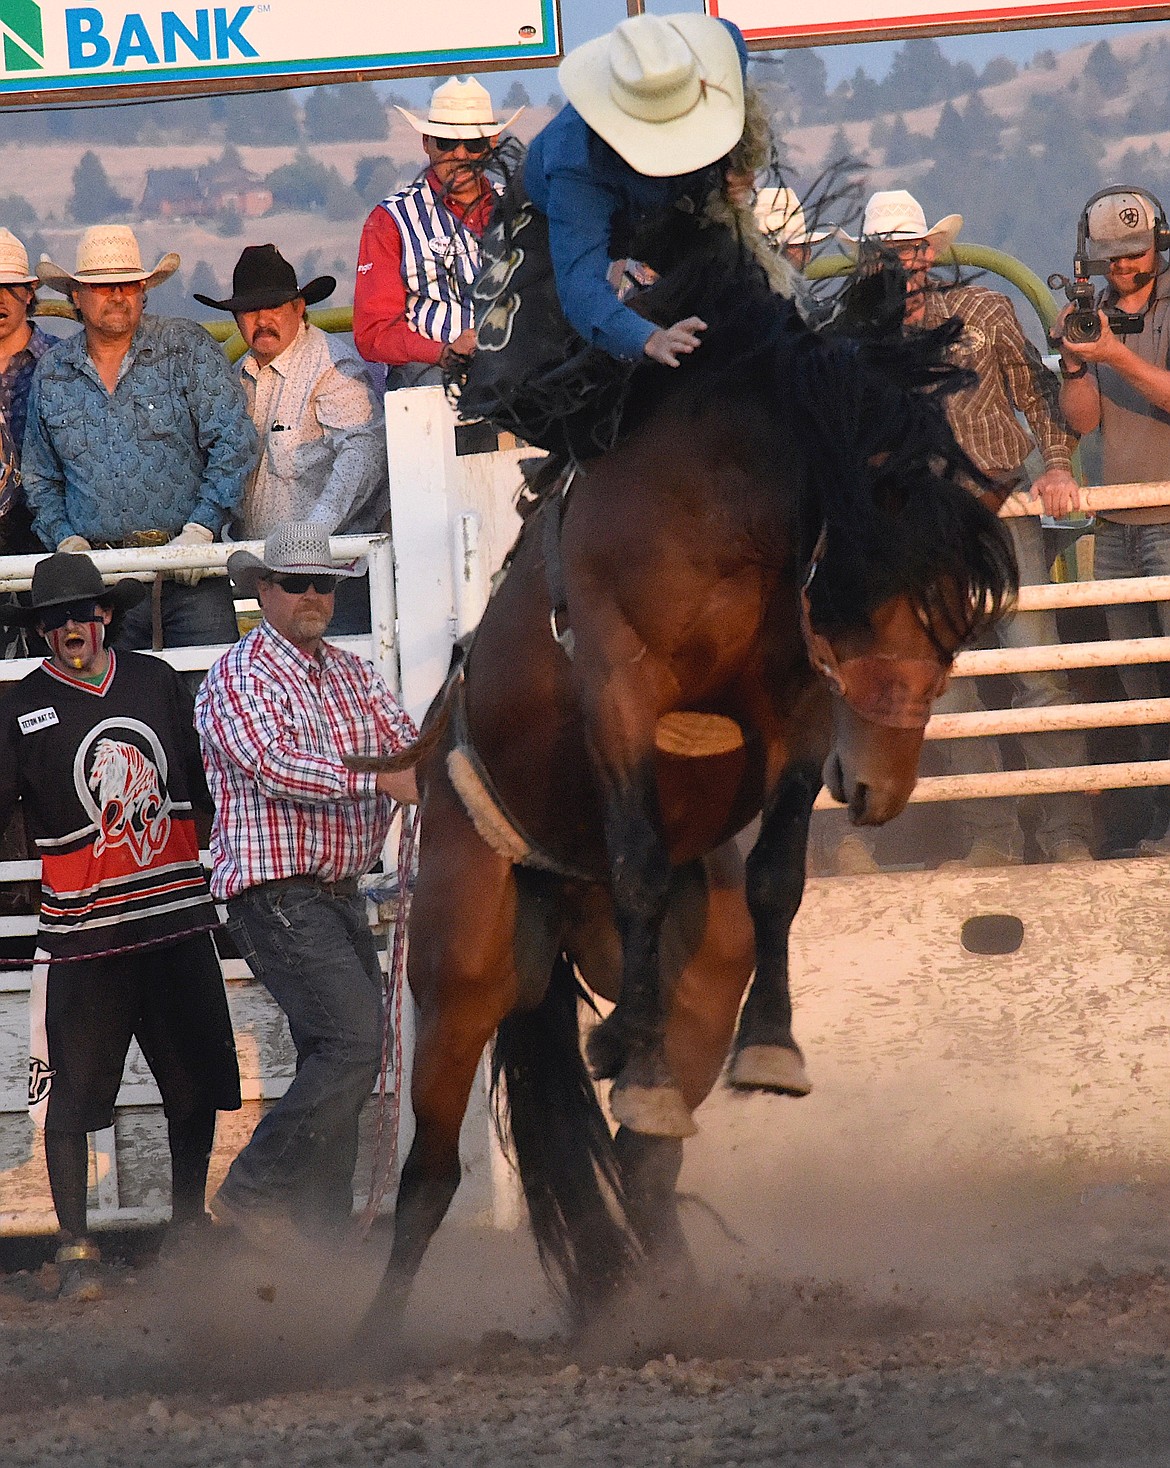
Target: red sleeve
380 329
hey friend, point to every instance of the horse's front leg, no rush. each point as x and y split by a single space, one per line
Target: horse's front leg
765 1056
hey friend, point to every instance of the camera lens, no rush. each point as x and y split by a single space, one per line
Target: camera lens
1082 326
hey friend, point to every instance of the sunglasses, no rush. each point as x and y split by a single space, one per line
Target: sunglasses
322 584
474 147
51 618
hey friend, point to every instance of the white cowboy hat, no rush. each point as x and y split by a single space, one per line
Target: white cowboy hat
460 109
895 214
14 261
780 216
296 548
664 91
107 254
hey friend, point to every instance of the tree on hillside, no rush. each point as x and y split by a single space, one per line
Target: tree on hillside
998 70
204 280
919 74
515 96
94 200
349 113
376 177
950 136
805 75
261 119
1104 69
1044 60
302 184
17 211
900 144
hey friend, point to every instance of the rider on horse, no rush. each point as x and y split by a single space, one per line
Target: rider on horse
654 125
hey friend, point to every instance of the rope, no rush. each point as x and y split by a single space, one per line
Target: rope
21 963
384 1161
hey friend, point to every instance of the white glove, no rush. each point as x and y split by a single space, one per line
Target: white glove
191 534
74 545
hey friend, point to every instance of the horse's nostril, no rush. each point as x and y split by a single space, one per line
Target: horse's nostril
858 802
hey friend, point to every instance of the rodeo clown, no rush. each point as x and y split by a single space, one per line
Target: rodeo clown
100 750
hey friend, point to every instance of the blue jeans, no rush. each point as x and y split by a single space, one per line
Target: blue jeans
1121 551
313 951
993 819
192 616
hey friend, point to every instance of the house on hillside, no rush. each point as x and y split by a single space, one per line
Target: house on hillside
219 186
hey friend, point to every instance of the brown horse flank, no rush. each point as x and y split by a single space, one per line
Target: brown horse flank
577 811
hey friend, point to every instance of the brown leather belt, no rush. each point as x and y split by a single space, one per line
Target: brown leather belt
137 540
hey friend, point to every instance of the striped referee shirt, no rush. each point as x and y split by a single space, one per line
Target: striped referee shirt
274 724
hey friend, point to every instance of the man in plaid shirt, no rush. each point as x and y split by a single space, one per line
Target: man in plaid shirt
294 830
1009 380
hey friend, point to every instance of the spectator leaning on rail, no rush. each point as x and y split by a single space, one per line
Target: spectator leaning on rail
420 248
1009 378
294 830
137 435
1121 385
320 424
100 750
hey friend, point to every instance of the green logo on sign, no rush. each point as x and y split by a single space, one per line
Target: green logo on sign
24 44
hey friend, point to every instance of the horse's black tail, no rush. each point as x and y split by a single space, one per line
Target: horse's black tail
565 1152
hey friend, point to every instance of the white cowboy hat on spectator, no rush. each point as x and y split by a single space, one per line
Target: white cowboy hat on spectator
107 254
664 91
780 216
460 109
296 548
14 261
895 214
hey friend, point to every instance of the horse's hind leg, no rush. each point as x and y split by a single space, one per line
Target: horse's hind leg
766 1057
650 1167
463 980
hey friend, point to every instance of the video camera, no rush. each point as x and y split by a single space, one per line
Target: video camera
1083 324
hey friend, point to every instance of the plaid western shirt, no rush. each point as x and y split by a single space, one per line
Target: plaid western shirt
1011 378
274 724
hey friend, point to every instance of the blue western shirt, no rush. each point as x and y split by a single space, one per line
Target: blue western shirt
585 188
172 443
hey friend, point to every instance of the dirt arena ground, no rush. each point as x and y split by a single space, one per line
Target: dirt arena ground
850 1314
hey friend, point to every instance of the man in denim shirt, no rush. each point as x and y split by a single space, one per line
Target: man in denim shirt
137 434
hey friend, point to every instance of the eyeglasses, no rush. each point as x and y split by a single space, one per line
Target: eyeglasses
322 584
51 618
474 147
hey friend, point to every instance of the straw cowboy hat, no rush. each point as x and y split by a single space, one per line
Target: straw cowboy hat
895 214
296 548
664 91
263 278
107 254
780 216
14 261
460 109
65 577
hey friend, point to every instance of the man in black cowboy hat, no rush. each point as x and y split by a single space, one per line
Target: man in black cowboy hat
100 749
320 424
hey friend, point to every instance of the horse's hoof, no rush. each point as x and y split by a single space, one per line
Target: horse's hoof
606 1049
770 1068
655 1111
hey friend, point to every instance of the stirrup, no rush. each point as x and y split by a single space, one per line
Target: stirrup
81 1250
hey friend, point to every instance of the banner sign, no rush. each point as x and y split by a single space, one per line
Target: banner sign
59 52
796 23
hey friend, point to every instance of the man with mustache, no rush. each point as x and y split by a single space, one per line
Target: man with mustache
1120 383
420 248
294 830
137 435
320 424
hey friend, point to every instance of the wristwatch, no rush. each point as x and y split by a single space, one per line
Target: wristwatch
1070 374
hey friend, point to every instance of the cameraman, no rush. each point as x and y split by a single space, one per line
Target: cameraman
1121 385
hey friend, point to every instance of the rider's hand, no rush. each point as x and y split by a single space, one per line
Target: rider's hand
399 785
1073 354
669 343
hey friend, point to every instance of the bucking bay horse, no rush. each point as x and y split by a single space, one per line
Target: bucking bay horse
760 588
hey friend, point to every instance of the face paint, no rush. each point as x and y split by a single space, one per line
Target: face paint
77 645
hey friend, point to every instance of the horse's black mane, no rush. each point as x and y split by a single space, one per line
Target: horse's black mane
887 476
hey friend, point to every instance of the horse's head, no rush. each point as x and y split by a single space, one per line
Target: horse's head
885 679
